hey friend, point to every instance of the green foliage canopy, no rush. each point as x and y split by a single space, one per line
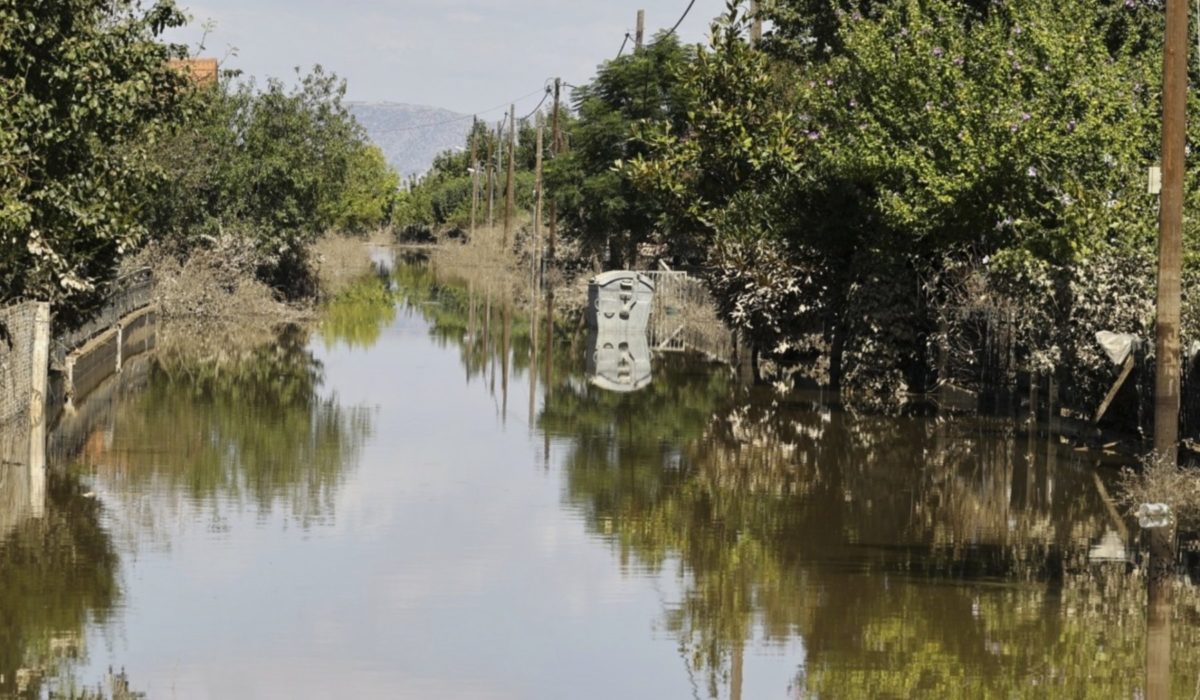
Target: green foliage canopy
85 86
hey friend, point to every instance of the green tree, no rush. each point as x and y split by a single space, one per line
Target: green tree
368 192
84 84
277 167
855 175
597 203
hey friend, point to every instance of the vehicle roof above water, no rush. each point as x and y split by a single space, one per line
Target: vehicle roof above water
606 278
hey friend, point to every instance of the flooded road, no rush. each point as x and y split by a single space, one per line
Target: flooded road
403 504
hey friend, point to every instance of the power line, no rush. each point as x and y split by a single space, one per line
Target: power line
465 117
539 106
623 43
681 18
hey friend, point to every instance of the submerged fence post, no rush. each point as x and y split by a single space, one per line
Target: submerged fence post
1157 522
40 366
120 346
39 363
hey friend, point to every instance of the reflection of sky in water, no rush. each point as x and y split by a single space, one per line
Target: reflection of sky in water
449 569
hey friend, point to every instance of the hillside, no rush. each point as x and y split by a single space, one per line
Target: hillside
411 135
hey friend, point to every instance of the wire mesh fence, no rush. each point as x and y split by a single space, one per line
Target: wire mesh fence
18 329
127 294
684 317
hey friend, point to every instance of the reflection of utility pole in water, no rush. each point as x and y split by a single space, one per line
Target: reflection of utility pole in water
735 670
1051 424
470 344
37 469
504 341
488 355
549 361
1158 614
533 354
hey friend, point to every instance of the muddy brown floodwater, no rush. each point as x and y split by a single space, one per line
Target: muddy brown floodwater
388 506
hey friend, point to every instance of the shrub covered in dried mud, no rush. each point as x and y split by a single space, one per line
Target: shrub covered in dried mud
1160 481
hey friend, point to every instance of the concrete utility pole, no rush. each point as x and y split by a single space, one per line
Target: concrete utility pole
510 185
554 140
1170 233
640 34
756 22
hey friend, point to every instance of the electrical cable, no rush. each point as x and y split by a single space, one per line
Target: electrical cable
539 106
623 43
685 14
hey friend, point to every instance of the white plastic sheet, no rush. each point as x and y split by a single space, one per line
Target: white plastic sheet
1117 346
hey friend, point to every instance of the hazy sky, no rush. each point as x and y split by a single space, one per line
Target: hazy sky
464 55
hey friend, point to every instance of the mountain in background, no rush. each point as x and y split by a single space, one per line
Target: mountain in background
411 135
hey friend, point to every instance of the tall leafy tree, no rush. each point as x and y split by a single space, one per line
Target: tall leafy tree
597 202
276 167
83 82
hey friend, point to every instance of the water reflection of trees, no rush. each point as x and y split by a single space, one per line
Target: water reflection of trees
58 573
480 320
914 556
248 426
358 315
1078 636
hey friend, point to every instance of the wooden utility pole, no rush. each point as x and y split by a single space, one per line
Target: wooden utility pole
537 205
491 188
1166 378
1170 233
755 22
474 176
554 144
499 151
640 34
510 184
